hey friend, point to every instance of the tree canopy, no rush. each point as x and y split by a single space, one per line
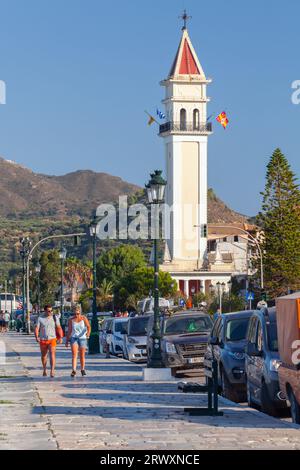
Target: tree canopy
280 222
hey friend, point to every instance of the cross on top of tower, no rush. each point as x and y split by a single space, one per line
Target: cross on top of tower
185 19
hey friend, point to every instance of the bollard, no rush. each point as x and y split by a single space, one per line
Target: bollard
211 373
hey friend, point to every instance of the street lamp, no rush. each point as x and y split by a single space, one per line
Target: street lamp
62 257
221 290
193 290
229 284
10 283
155 192
24 253
38 268
94 339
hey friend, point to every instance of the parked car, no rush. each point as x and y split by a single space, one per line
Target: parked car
105 334
184 336
262 362
118 331
227 345
135 341
288 327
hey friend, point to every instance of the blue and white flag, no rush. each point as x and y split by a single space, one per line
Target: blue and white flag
160 114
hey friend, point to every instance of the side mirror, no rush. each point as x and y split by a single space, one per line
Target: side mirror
251 350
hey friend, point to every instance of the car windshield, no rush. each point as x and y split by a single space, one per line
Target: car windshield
120 325
138 326
272 337
186 325
236 329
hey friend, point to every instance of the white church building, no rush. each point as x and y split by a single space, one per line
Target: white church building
185 134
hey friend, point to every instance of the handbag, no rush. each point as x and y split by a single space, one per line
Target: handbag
58 330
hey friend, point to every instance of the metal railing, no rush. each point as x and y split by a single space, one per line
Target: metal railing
190 127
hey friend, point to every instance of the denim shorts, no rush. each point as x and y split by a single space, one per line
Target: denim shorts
82 342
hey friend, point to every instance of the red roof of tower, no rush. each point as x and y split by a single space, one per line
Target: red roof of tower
186 61
188 64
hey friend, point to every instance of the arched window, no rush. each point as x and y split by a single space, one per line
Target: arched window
196 123
183 119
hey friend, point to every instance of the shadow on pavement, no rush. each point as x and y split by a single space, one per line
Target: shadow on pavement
232 417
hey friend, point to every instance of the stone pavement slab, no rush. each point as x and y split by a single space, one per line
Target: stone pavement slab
112 408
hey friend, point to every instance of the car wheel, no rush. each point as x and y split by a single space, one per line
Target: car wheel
295 407
228 390
267 405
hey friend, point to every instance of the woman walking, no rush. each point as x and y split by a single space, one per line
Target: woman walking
79 331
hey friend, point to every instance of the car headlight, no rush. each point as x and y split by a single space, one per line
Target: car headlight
239 356
274 365
132 341
170 348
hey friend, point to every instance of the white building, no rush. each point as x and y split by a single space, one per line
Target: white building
185 136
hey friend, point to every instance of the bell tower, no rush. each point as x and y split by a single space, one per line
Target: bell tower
185 134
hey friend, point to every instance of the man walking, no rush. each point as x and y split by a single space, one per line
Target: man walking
46 335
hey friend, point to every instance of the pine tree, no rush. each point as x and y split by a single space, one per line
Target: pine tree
280 222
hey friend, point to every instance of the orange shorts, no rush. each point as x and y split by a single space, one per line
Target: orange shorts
45 343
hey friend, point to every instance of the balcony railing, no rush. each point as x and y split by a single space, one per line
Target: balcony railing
189 127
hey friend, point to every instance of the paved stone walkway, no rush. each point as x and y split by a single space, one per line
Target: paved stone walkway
112 408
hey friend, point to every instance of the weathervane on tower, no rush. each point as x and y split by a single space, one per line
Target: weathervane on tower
185 19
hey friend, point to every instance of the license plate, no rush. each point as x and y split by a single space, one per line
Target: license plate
193 360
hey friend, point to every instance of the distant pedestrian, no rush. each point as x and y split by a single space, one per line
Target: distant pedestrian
6 320
1 321
47 332
79 330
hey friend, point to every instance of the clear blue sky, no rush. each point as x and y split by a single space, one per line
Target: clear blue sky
80 73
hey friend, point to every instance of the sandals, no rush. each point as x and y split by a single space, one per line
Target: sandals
73 373
83 372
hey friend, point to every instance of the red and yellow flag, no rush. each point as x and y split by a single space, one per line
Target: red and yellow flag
223 120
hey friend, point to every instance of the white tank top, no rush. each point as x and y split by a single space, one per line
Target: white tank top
79 329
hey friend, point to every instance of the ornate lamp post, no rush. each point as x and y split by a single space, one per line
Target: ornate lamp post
229 284
221 290
24 253
10 283
94 347
193 290
155 192
62 257
38 268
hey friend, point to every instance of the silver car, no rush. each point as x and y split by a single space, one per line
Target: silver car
135 342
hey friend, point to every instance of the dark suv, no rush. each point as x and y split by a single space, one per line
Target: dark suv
262 363
184 338
227 345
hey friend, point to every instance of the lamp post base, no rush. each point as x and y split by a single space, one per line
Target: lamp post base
157 374
94 347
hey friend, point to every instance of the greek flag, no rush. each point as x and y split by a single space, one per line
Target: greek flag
160 114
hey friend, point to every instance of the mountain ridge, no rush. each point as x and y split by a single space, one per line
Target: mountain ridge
24 193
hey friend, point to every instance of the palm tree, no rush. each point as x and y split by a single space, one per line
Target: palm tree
104 292
87 274
73 275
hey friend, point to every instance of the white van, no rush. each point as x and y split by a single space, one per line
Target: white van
147 305
119 329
